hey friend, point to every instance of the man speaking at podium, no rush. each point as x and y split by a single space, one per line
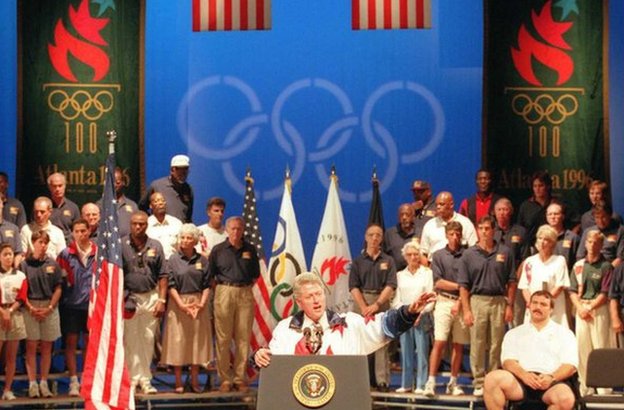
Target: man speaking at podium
317 330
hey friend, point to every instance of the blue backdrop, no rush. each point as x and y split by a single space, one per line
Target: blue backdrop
311 93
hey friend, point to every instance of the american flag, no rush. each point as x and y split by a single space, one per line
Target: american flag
226 15
263 323
390 14
105 380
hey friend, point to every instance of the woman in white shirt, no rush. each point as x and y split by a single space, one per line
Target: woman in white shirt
412 282
546 271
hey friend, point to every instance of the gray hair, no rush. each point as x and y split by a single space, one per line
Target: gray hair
56 175
189 229
414 244
234 218
306 278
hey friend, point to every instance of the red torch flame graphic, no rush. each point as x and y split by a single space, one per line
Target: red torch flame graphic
88 28
336 267
551 55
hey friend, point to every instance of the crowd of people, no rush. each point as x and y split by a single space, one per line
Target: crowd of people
187 288
484 265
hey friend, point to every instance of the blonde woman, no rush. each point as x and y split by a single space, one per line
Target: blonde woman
546 271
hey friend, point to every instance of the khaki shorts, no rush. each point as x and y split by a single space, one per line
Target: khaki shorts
48 330
446 324
17 330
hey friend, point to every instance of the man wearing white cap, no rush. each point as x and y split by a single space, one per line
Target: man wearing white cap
177 192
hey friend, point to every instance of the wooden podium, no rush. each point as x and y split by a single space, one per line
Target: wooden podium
317 382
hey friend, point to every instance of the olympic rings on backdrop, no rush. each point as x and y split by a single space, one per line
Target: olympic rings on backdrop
289 139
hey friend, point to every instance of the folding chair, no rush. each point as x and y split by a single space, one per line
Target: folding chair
605 368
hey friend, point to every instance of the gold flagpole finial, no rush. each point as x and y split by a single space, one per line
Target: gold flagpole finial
248 177
288 181
112 136
333 176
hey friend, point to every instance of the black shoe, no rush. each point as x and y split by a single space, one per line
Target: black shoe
383 387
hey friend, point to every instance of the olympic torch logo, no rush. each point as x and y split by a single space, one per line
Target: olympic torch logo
80 104
544 108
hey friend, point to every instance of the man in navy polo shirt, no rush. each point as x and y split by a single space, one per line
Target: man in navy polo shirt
487 283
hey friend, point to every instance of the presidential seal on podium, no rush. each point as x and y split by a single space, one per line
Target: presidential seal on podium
313 385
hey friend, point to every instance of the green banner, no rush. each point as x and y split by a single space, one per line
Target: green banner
544 103
81 65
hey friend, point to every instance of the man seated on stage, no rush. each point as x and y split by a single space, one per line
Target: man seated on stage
317 330
539 358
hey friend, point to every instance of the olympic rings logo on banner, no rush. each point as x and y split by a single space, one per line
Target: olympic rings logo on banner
544 107
332 140
81 102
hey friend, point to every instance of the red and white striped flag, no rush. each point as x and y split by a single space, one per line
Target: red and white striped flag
263 323
105 380
226 15
390 14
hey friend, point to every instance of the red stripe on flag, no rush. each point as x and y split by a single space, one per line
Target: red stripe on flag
227 14
355 14
265 300
259 14
244 15
105 281
420 13
387 14
372 14
264 292
112 353
264 329
196 17
212 15
403 13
